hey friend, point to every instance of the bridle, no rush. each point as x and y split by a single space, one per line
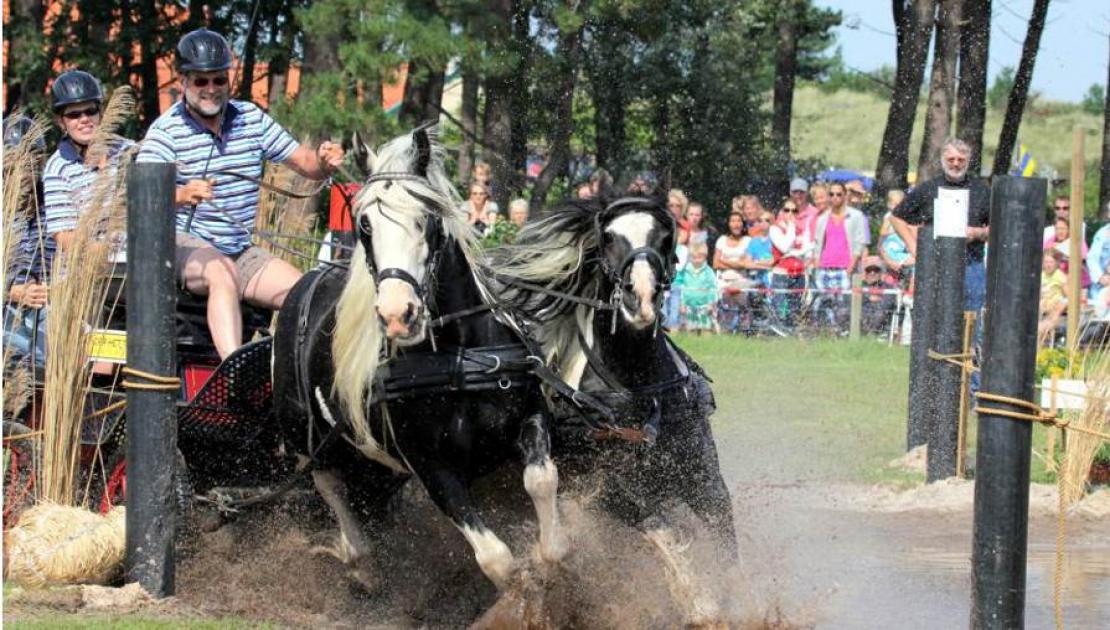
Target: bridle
433 236
662 267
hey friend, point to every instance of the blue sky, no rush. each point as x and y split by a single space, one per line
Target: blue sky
1074 45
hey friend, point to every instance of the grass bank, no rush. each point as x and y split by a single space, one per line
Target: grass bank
814 409
846 130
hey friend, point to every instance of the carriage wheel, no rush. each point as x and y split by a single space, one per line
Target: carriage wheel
115 485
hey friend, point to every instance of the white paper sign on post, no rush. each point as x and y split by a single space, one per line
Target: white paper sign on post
950 212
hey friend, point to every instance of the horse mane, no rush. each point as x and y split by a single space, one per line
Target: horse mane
358 344
558 252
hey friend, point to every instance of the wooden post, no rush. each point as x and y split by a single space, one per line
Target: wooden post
922 390
151 415
856 312
1075 256
965 384
1009 361
950 256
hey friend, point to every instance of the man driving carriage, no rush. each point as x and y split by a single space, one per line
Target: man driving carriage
219 145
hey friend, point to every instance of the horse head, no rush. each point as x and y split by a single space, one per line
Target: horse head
400 215
636 242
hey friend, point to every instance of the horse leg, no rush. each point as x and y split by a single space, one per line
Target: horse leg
450 494
699 606
541 481
353 548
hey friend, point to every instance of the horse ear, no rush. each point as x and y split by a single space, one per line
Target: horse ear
364 155
423 150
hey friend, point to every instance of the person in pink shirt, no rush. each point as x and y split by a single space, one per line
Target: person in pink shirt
839 241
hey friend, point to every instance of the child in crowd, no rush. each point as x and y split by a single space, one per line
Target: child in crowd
698 286
760 251
1054 297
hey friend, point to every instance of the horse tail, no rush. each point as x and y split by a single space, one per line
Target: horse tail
356 345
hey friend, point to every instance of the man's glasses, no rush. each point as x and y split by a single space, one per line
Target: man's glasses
77 114
836 194
204 81
1063 208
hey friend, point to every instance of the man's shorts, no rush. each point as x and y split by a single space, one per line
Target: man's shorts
247 262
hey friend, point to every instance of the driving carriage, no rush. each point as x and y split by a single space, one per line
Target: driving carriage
222 408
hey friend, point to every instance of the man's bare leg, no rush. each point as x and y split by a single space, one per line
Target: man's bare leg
208 272
271 284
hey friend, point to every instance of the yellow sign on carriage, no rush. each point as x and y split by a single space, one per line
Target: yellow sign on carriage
108 345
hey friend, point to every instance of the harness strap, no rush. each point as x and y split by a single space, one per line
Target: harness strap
592 303
301 368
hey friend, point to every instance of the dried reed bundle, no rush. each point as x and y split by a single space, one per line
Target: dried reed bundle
279 214
58 544
1081 447
21 166
79 292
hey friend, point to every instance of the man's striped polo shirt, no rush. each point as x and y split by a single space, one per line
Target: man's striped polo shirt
67 184
248 137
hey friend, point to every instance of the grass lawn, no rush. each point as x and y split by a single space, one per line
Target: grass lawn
820 408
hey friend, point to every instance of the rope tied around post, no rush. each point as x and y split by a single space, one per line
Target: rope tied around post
962 360
156 382
1035 414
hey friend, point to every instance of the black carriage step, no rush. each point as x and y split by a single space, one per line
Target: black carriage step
236 402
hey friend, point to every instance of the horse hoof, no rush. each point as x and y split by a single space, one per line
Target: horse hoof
325 550
553 551
363 580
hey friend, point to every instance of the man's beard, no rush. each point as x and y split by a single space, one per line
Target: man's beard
206 108
955 175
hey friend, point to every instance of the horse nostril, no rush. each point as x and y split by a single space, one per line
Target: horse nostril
410 315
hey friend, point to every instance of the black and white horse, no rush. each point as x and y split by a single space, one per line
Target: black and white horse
400 366
616 259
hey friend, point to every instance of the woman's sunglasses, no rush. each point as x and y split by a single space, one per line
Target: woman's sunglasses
204 81
789 209
77 114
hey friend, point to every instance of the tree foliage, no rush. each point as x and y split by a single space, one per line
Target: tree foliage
679 88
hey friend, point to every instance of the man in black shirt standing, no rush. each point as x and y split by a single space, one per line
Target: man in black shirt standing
917 209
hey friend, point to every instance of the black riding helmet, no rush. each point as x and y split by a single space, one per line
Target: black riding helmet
16 128
203 51
75 86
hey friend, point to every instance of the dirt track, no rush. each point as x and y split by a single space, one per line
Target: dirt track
822 552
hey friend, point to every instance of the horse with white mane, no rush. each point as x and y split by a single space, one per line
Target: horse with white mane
403 366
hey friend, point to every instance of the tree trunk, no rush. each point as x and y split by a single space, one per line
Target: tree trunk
971 100
469 116
942 89
913 21
148 67
250 53
1015 106
786 58
283 37
608 76
559 155
498 121
1104 167
321 54
423 93
519 99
